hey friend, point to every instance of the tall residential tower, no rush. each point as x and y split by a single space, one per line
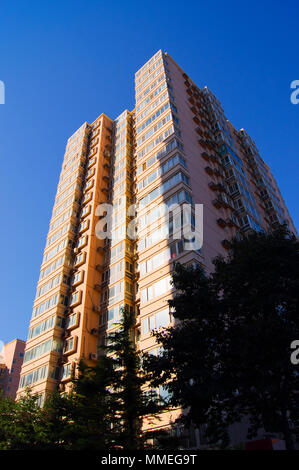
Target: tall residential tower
175 147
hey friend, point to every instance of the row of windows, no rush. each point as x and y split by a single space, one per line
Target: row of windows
61 219
55 281
52 267
49 303
76 136
162 257
155 115
42 348
116 292
70 190
154 129
158 155
65 174
59 233
157 235
147 64
148 71
167 229
158 320
55 250
171 162
39 374
155 262
118 251
156 289
68 181
159 210
174 180
148 80
147 100
32 377
156 141
114 314
63 205
117 271
150 109
45 325
148 89
71 161
247 221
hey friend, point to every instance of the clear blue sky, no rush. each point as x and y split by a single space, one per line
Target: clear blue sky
66 62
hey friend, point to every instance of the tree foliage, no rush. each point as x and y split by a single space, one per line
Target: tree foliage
102 411
228 355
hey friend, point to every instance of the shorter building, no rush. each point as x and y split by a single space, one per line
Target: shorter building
11 360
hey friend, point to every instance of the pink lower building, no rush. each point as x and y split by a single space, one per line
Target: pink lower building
11 360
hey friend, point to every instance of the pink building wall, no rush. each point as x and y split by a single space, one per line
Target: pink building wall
10 367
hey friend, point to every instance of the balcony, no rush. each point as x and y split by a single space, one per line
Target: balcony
218 172
217 203
226 244
214 158
213 186
230 222
221 223
216 186
209 170
199 131
205 156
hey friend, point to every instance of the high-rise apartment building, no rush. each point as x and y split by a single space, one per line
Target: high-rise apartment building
11 360
175 147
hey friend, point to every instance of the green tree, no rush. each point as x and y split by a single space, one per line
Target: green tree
23 424
133 401
107 401
103 410
228 356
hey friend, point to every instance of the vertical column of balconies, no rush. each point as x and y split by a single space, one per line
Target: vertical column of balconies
44 345
274 209
237 194
118 273
214 193
82 329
